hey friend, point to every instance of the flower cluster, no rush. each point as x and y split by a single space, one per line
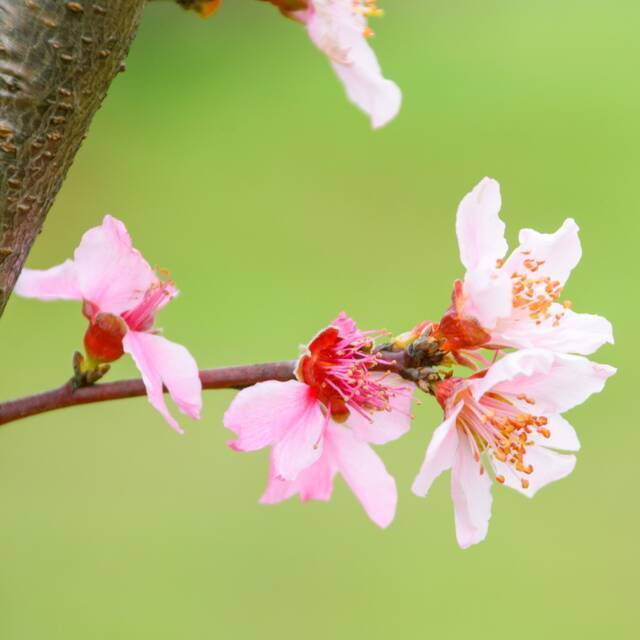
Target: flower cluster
522 345
504 421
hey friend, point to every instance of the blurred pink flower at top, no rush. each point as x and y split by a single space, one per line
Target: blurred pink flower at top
339 29
507 418
121 295
514 301
323 422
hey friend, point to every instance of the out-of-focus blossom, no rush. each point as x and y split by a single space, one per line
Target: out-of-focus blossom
323 423
339 28
507 420
204 7
121 295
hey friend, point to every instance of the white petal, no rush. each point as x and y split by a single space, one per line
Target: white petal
548 466
471 494
488 295
559 251
479 227
517 366
338 31
440 454
563 435
581 333
568 382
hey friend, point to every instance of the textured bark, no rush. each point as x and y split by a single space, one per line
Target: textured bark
57 60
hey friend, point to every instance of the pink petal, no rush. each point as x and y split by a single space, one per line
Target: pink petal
471 494
345 325
365 474
576 332
548 466
313 483
110 272
479 227
386 426
57 283
559 251
278 489
339 33
440 454
301 442
557 382
261 415
163 362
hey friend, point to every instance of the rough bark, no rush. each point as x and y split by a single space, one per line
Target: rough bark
57 60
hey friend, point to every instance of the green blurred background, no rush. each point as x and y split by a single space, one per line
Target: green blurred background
235 160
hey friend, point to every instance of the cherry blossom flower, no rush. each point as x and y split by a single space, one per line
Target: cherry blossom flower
515 301
507 419
121 295
323 423
339 29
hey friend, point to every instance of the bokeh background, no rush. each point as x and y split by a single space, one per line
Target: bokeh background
235 160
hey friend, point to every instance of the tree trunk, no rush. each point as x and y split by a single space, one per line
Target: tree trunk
57 60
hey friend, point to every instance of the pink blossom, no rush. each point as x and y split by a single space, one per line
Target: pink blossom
514 301
339 29
507 419
121 295
323 422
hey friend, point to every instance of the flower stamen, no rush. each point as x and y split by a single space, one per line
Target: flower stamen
495 425
338 366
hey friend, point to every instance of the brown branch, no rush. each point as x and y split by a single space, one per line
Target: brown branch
237 377
57 60
68 396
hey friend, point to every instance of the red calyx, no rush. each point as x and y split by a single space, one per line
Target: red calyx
315 369
459 331
103 339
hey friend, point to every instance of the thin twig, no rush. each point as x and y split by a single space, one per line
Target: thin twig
237 377
68 396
